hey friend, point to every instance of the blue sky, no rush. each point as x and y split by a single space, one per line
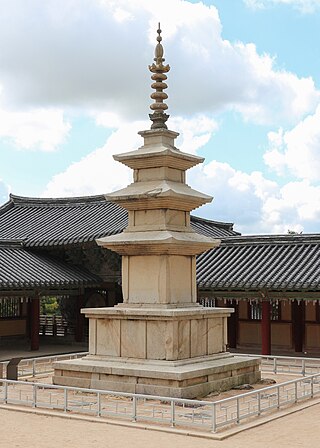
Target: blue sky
244 92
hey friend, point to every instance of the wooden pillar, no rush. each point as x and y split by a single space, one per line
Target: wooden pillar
298 318
266 328
233 325
35 323
79 330
28 320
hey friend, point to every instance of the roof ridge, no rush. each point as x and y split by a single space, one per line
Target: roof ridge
227 225
272 239
15 199
7 205
11 242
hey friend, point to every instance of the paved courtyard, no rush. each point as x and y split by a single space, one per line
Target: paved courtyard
20 429
46 349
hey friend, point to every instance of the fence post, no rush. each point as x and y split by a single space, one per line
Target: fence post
214 418
5 398
99 404
275 365
303 372
65 400
296 391
238 411
311 386
134 408
259 403
34 401
173 413
278 398
33 367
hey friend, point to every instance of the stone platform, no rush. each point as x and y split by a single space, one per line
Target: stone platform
178 352
168 379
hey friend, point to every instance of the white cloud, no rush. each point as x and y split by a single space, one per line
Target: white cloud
4 192
238 197
98 173
297 150
254 203
194 132
296 207
93 55
305 6
42 129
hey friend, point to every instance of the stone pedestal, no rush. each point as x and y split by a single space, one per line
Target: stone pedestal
170 352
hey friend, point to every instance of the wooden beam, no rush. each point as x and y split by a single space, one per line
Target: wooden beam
37 293
243 295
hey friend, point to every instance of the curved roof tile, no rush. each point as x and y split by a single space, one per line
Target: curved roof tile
21 269
52 222
276 262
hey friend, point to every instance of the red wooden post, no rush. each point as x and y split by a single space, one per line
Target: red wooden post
266 328
298 318
233 325
35 323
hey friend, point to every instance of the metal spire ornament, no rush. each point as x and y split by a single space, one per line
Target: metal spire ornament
158 117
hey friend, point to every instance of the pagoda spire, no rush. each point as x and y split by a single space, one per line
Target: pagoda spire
158 117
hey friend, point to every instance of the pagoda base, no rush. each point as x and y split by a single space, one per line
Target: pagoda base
193 378
178 352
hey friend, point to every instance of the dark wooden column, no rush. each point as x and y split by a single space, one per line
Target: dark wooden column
35 323
266 328
28 319
233 324
79 329
298 318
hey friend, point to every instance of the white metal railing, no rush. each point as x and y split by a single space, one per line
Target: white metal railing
275 364
40 365
201 414
287 364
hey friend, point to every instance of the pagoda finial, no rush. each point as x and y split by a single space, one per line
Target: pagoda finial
158 117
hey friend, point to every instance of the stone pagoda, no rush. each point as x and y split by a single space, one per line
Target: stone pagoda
159 341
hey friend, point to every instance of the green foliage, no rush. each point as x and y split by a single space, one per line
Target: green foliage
50 306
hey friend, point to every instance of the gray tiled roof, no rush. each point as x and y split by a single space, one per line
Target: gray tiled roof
21 269
51 222
213 229
282 262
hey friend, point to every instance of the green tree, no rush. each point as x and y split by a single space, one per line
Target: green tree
50 306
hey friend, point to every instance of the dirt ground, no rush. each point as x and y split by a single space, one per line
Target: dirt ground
22 429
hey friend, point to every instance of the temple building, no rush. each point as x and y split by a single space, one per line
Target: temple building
48 248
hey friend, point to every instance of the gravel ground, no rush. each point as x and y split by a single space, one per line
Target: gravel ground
20 429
